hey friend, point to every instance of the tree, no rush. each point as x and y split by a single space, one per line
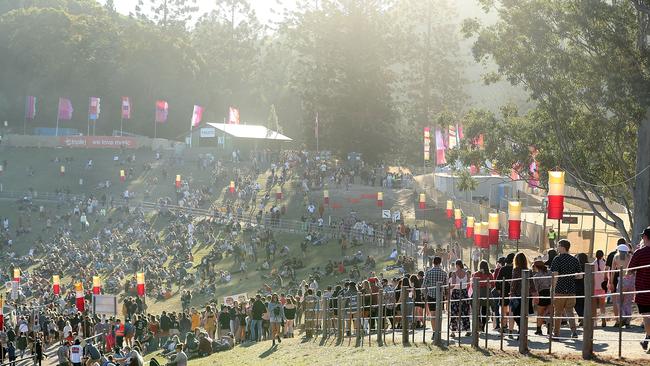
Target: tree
344 53
229 41
174 14
580 64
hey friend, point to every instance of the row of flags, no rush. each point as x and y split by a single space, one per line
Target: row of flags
445 139
65 110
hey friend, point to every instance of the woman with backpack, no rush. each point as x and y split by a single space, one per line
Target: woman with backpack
276 317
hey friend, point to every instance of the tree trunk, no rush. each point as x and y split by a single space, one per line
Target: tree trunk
642 183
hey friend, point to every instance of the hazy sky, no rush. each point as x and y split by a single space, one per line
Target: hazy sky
262 7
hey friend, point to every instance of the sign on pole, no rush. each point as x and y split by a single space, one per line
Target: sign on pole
397 216
385 214
105 304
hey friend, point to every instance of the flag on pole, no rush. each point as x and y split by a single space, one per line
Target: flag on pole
233 116
162 109
440 148
316 126
126 108
30 108
65 109
197 115
93 108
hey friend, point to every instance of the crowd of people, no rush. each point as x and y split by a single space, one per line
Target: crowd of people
243 225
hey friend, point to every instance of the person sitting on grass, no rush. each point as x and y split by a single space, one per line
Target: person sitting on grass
180 359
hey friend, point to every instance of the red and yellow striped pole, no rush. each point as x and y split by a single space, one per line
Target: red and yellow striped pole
469 231
232 187
477 234
555 195
458 218
2 315
450 209
122 175
79 297
140 283
17 275
380 199
514 220
485 243
423 201
326 197
97 285
178 181
56 285
493 228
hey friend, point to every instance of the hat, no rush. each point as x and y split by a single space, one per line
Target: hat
646 232
623 248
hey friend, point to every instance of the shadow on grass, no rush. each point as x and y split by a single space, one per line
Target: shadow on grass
269 351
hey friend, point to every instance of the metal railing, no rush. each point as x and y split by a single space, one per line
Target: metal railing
365 316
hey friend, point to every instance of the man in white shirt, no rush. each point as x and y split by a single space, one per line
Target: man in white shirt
76 353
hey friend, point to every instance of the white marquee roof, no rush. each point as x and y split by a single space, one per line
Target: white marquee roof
250 131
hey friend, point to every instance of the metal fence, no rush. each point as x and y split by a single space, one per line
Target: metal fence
365 317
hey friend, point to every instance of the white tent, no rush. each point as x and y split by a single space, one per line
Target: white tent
249 132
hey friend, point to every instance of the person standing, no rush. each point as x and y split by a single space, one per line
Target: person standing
552 237
642 282
565 287
600 287
461 307
620 262
276 317
486 282
433 276
76 353
256 324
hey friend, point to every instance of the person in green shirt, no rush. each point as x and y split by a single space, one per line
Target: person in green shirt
552 237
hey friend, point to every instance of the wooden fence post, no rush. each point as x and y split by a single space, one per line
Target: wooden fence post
523 316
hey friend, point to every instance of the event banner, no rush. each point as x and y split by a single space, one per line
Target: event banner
98 142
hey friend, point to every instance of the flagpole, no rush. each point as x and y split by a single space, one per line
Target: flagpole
155 128
25 125
121 123
56 133
317 137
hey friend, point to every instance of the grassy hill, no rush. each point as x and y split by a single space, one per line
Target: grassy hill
38 169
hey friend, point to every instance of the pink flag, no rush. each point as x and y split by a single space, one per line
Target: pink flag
162 109
197 115
126 108
65 109
30 107
94 108
233 116
440 148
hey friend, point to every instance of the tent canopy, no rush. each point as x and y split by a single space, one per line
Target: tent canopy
249 132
